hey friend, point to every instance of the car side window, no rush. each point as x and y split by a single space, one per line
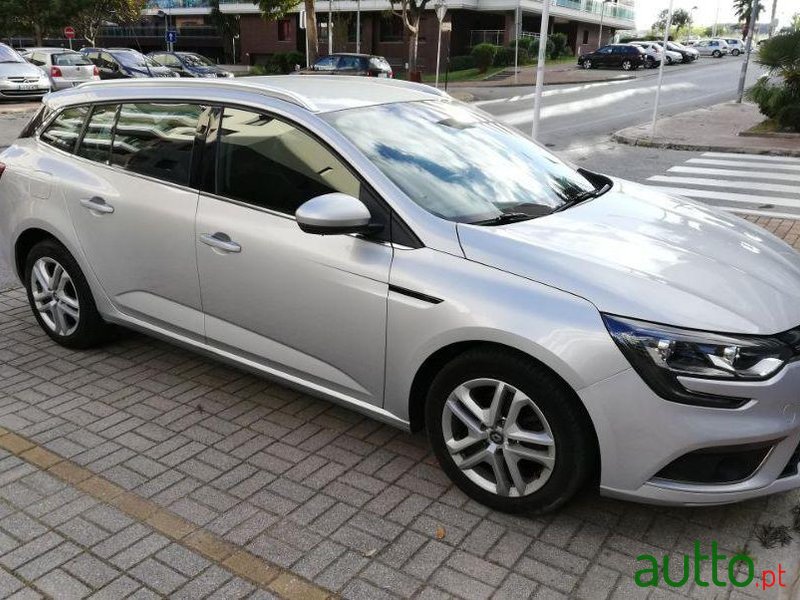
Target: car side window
272 164
605 50
156 140
326 63
63 132
107 61
350 63
37 58
96 142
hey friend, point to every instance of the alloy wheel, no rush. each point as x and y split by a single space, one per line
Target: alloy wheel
498 437
587 64
55 296
627 65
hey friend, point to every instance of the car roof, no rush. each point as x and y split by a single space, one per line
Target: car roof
319 94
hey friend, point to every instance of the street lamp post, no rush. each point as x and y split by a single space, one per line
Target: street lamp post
602 15
441 11
330 26
358 27
517 31
716 20
661 70
537 103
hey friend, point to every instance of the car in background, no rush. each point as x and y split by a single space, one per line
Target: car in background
65 68
621 56
125 63
672 56
18 78
654 54
363 65
189 64
688 54
735 46
715 48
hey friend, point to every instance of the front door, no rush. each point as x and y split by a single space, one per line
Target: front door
134 211
307 306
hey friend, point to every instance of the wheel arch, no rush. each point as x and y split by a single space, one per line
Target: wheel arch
25 242
437 360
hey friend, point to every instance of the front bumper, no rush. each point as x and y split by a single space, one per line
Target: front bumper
640 433
24 89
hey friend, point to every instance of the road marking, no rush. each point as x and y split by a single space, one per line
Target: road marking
733 173
549 93
759 213
730 196
742 185
764 157
743 164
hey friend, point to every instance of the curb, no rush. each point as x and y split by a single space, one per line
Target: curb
647 143
578 82
17 110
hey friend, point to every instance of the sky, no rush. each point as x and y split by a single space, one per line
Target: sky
647 10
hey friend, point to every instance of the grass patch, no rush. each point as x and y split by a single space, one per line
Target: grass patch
769 126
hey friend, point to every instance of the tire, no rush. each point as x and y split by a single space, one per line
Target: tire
587 64
73 321
736 52
669 60
716 54
627 65
534 402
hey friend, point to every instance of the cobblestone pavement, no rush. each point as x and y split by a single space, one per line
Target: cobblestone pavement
285 494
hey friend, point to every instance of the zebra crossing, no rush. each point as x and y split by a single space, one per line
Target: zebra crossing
749 184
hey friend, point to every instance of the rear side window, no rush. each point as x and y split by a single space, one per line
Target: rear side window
96 142
63 132
156 140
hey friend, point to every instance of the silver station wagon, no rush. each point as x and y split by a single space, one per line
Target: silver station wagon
381 245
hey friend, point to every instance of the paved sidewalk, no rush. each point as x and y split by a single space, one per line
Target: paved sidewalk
713 129
142 468
554 75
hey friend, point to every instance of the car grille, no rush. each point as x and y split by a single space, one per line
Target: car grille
24 92
23 79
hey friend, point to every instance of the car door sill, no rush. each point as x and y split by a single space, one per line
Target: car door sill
287 379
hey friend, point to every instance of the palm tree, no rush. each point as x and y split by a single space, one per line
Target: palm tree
743 10
781 55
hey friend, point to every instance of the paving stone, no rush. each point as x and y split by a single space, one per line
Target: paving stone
61 585
91 571
182 560
201 585
8 584
138 551
341 571
34 548
48 561
157 576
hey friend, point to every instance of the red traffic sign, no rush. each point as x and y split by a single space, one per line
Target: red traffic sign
69 32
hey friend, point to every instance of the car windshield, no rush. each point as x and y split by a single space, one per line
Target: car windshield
136 60
7 55
458 164
195 60
70 59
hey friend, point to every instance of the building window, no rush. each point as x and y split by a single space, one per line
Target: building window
284 30
585 36
391 29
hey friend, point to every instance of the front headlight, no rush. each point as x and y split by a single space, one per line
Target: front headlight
661 354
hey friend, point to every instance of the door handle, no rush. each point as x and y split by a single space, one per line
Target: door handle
97 204
221 241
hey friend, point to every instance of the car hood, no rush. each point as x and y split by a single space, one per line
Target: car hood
640 253
19 70
162 71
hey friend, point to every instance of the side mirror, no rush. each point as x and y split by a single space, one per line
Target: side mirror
334 214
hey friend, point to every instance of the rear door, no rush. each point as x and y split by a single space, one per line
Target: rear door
133 209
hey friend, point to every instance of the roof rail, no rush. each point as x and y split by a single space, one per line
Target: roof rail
260 88
412 85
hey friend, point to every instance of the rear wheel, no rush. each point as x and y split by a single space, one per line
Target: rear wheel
60 297
716 54
507 432
627 65
736 52
669 60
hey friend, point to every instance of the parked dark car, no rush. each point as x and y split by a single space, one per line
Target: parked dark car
364 65
122 63
688 54
189 64
619 56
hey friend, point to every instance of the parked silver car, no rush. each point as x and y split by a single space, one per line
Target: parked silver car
18 78
376 243
715 48
65 68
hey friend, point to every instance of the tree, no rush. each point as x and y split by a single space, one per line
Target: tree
277 9
90 15
778 96
743 10
410 11
38 16
228 26
680 18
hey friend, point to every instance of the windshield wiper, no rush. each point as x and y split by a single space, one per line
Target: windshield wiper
582 197
511 217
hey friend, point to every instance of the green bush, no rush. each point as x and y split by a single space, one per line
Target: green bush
292 59
780 101
559 44
548 49
503 56
462 62
484 56
525 43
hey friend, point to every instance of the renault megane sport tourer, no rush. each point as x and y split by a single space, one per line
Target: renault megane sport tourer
384 246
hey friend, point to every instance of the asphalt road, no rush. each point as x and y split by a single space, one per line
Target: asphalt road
574 116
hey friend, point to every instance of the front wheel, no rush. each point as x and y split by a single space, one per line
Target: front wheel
60 297
735 52
507 432
716 54
587 64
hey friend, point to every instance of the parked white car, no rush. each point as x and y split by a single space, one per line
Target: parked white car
65 68
672 56
654 53
19 79
715 48
735 46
